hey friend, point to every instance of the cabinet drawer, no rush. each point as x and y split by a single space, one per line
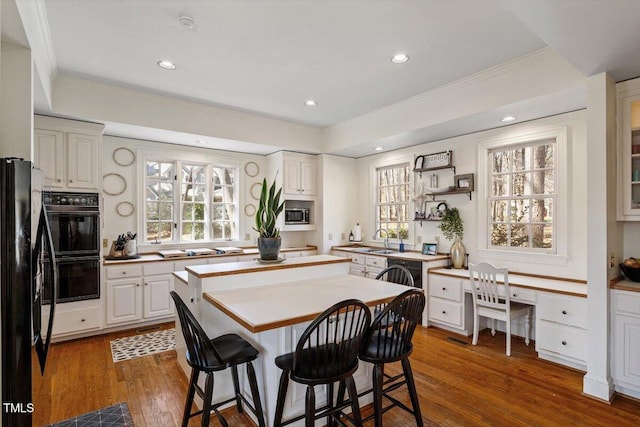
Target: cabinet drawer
181 265
627 303
159 268
563 309
445 311
522 295
446 288
376 261
564 340
372 272
120 272
357 259
66 322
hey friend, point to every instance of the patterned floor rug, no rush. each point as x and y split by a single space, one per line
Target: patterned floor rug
117 415
142 345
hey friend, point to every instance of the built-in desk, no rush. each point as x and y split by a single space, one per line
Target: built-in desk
560 311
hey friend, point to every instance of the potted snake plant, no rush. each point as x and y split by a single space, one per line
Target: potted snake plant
269 208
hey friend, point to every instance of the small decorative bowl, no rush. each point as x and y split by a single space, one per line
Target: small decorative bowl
631 273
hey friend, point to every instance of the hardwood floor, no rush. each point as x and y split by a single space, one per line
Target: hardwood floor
458 384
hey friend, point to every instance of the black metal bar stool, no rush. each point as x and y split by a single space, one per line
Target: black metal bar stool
211 355
326 353
388 340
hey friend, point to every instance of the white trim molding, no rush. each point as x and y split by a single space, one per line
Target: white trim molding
560 135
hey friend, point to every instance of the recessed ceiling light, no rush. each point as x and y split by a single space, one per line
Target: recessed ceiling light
199 141
378 149
167 65
400 58
187 22
508 118
310 103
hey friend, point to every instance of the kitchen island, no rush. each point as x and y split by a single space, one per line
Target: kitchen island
271 307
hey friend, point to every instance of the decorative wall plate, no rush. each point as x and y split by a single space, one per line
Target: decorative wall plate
249 209
113 184
255 190
251 169
125 209
122 156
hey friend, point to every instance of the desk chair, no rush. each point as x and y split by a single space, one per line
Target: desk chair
326 353
488 303
209 356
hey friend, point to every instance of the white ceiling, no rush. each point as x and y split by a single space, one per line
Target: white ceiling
268 57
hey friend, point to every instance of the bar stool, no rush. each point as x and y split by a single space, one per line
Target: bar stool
386 344
326 353
212 355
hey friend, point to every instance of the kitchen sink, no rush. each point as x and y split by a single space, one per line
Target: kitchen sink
383 251
364 250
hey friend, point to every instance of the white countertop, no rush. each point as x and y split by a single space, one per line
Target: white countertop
569 287
227 268
263 308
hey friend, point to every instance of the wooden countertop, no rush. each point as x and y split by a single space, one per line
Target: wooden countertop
227 268
539 283
410 255
268 307
155 257
626 285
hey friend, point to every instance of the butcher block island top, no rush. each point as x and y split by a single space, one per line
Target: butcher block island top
263 308
228 268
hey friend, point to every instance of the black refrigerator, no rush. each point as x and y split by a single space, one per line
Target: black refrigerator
26 249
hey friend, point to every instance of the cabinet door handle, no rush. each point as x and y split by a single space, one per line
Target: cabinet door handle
70 180
564 311
124 272
444 289
58 180
515 294
137 285
82 320
146 284
564 343
444 312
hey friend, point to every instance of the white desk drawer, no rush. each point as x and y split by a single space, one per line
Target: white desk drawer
563 340
563 309
66 322
627 303
121 272
445 311
376 261
158 268
373 272
522 295
447 288
357 259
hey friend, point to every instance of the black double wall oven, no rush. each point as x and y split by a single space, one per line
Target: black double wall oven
75 228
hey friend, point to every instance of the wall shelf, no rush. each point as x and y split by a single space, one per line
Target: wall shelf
444 193
420 170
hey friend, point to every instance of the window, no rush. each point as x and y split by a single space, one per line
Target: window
200 202
522 197
392 200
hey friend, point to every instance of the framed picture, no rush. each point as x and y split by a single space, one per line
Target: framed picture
464 182
429 249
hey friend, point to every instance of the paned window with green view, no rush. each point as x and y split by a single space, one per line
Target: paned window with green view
197 204
392 200
522 197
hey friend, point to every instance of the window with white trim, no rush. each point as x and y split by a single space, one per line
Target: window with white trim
198 204
522 197
392 200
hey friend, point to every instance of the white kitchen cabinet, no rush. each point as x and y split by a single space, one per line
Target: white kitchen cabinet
628 119
299 176
561 329
139 292
68 152
446 306
74 318
625 347
367 265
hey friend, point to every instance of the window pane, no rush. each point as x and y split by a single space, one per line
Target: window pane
166 192
198 211
199 192
166 211
499 211
499 235
519 235
152 212
521 184
198 231
187 230
500 185
153 191
187 211
383 213
217 230
543 157
521 159
500 161
166 171
519 210
542 236
217 194
153 170
543 182
218 213
230 211
165 231
229 229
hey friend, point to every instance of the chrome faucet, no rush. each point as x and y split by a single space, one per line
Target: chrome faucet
386 238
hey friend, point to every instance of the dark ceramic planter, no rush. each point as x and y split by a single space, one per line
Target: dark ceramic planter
269 248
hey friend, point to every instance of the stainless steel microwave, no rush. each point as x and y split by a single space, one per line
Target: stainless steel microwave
296 216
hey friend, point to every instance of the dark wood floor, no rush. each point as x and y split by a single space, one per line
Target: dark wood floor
458 384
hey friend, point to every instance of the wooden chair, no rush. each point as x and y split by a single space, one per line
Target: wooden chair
209 356
487 302
326 353
396 274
